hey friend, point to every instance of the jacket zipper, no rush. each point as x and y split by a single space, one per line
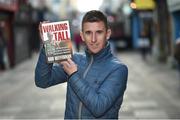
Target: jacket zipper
84 75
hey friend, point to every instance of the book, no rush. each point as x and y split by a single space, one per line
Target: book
57 41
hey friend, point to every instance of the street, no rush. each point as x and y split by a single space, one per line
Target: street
152 92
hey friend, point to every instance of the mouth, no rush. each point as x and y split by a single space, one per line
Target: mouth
94 45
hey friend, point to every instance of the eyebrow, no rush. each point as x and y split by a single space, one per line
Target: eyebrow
99 31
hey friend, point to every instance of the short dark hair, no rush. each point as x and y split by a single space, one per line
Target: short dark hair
95 16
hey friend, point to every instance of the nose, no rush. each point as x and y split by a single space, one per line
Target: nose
93 38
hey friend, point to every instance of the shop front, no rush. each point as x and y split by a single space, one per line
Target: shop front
7 11
15 21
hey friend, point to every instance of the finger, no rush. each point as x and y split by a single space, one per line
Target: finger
70 61
47 21
65 64
40 30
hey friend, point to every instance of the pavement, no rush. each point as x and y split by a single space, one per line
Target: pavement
152 92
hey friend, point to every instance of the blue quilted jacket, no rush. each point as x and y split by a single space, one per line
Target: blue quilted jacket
95 91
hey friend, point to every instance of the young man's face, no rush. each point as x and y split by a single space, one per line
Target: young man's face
95 36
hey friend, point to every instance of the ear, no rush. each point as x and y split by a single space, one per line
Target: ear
82 37
108 34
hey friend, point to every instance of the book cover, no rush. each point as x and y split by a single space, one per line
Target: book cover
57 41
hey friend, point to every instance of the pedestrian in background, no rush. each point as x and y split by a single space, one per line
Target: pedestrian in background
177 54
77 40
144 45
96 80
2 50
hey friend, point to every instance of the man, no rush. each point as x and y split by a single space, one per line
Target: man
96 80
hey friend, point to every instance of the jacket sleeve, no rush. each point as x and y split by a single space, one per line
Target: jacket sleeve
47 75
99 101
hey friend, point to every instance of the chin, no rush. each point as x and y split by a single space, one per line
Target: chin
94 52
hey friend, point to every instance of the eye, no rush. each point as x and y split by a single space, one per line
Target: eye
99 31
87 33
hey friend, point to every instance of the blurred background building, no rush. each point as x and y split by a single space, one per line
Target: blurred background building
159 19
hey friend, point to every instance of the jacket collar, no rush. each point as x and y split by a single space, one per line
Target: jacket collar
101 55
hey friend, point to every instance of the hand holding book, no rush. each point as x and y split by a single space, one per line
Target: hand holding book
69 66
